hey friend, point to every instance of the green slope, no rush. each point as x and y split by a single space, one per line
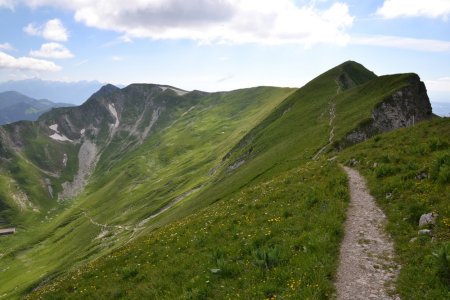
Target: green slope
279 238
129 184
210 159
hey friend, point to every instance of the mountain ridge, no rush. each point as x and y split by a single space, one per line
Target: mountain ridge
149 158
15 106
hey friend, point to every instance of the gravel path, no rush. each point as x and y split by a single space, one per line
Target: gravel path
367 269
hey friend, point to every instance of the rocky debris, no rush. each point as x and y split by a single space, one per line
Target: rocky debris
367 269
48 183
424 232
353 162
236 164
87 159
422 175
428 219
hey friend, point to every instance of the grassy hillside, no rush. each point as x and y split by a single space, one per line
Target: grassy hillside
275 239
408 172
122 192
230 194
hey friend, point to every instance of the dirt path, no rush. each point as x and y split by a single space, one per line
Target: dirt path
367 269
332 113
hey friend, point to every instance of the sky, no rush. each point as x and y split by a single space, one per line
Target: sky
216 45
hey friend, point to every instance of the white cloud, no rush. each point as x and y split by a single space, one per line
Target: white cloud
26 63
117 58
214 21
6 47
439 89
415 8
402 43
52 30
439 85
52 50
7 4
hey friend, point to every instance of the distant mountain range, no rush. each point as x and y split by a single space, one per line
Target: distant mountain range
15 106
55 91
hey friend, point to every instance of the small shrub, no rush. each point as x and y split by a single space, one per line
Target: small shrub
384 171
437 144
442 260
129 272
266 258
440 171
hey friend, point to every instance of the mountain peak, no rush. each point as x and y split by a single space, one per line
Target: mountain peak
353 73
108 88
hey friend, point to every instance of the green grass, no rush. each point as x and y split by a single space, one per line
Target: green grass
61 236
408 173
278 238
215 243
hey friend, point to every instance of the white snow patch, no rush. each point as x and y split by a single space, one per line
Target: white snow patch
113 111
82 131
178 91
60 137
54 127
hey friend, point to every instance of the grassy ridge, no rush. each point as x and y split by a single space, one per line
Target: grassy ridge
408 172
277 189
279 238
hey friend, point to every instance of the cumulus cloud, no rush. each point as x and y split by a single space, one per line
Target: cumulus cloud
52 30
6 47
26 63
214 21
427 45
415 8
52 50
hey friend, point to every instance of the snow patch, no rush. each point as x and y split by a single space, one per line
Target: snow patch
82 131
113 111
177 91
57 136
60 137
54 127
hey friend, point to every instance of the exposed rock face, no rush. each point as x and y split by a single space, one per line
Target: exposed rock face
403 108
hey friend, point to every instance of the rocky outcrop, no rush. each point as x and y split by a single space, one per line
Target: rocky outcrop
403 108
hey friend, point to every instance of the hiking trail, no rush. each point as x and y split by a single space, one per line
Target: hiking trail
367 269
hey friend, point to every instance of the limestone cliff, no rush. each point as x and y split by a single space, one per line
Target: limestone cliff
403 108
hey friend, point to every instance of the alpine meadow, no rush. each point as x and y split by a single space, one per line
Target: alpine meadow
153 192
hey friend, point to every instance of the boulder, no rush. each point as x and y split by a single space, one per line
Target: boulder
427 219
424 232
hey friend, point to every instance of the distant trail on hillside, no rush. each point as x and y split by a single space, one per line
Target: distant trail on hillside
332 113
367 269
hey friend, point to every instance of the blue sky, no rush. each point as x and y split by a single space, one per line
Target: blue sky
223 44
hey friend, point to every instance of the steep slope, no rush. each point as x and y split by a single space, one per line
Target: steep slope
144 158
202 148
16 107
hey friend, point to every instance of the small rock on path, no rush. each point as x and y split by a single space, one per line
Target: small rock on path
367 269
